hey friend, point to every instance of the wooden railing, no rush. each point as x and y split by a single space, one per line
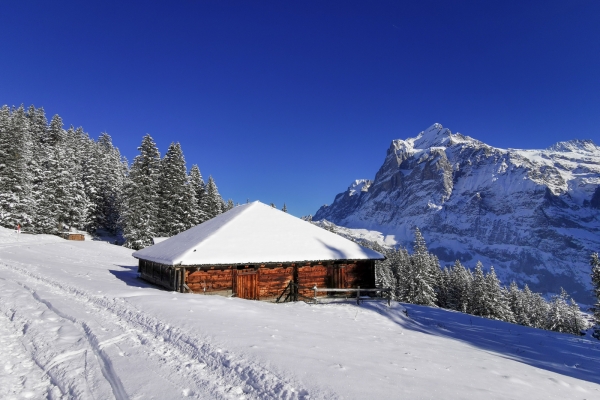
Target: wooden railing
292 293
357 290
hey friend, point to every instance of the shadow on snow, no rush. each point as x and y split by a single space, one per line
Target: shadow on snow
565 354
130 277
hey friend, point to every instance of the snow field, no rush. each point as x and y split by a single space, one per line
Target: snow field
81 325
114 339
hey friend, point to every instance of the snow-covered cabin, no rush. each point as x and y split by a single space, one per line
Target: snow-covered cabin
254 251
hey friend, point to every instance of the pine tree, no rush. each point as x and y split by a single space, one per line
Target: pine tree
443 289
595 264
420 282
52 192
284 208
176 200
537 309
558 313
460 287
384 277
576 320
76 205
199 188
478 301
140 208
497 306
229 205
517 305
213 203
16 180
110 173
38 125
400 266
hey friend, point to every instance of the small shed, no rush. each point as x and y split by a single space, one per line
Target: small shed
73 236
254 251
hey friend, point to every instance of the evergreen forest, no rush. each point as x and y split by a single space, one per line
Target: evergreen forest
54 179
417 278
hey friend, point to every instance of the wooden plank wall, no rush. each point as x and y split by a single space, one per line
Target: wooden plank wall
309 276
273 281
156 273
215 280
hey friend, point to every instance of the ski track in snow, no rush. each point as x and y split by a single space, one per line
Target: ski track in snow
213 371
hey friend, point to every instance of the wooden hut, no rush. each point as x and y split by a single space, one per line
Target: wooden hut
72 236
254 251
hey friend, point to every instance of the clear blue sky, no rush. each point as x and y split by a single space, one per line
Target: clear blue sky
289 101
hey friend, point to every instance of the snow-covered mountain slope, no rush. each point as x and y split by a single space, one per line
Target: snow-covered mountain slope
533 214
75 322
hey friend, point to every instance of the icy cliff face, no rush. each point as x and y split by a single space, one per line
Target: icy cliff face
533 214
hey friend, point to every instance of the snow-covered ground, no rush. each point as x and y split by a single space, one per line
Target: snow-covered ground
75 322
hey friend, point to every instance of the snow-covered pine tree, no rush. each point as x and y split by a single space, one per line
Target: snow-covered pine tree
443 288
38 124
213 203
478 300
197 185
537 308
517 305
53 187
595 274
92 177
16 179
176 201
140 203
112 171
384 277
460 287
420 285
497 306
76 205
400 266
558 313
284 208
576 321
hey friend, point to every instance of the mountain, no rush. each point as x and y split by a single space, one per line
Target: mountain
532 214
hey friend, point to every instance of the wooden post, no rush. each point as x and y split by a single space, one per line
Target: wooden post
358 295
175 280
315 289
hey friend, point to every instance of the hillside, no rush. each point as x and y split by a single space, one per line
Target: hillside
75 322
533 214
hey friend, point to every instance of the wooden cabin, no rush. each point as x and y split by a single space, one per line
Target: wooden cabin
254 251
73 236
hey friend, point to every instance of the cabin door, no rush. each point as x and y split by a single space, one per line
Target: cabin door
246 285
338 277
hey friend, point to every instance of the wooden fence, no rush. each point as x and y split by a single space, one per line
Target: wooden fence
292 293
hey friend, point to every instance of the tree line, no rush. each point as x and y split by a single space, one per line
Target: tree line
53 178
417 278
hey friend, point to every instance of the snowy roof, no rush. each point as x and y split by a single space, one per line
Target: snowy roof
156 240
254 233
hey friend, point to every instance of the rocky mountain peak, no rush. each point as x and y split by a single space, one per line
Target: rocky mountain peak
575 146
532 214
